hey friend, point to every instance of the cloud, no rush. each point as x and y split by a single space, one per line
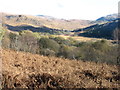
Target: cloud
60 5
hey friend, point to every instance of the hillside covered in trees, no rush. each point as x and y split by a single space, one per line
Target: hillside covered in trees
52 45
105 30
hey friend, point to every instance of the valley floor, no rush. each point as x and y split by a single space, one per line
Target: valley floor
26 70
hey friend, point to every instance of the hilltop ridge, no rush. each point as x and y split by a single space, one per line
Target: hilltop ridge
45 21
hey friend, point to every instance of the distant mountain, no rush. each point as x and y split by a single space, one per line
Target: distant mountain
105 30
46 16
43 21
107 18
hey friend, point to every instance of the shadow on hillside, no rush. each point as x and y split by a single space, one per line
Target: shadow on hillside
35 29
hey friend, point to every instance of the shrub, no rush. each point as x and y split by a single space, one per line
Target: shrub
23 42
47 52
72 41
45 43
28 43
25 32
6 40
14 41
2 31
101 45
80 44
61 40
70 52
98 51
37 35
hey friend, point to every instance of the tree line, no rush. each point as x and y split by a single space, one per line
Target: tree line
27 41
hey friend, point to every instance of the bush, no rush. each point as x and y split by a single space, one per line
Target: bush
25 32
80 44
14 41
87 52
28 43
2 31
47 52
101 45
72 41
23 42
98 51
70 52
61 40
46 43
6 40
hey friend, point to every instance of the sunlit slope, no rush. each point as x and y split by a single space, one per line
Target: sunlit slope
43 21
25 70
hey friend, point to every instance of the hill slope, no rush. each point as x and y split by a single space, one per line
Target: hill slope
25 70
105 30
45 21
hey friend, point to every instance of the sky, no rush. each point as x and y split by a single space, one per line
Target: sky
65 9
